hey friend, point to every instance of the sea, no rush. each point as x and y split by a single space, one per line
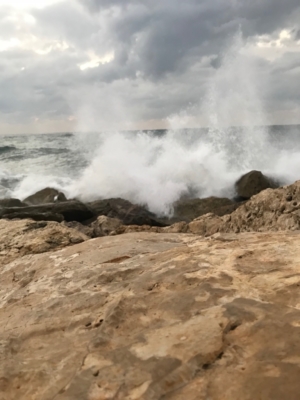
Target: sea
153 168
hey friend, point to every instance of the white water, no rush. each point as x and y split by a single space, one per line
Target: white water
156 171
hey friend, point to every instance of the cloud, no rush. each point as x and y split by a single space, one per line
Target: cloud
127 61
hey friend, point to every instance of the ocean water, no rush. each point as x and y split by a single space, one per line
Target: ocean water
154 168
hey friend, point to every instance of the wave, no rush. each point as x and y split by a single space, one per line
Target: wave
6 149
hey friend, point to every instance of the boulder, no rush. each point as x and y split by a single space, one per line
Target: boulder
253 183
189 209
72 210
104 226
11 203
126 212
47 195
18 238
153 316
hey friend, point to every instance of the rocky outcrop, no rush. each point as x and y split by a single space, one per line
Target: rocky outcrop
189 209
153 316
18 238
47 195
270 210
70 210
253 183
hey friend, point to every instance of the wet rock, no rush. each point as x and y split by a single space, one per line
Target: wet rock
47 216
253 183
126 212
47 195
11 203
70 210
153 316
189 209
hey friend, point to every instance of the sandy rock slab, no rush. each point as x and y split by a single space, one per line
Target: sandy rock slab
20 237
154 316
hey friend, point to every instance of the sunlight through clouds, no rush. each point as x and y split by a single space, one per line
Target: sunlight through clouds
95 60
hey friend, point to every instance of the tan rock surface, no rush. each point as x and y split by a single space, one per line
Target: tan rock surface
20 237
154 316
270 210
104 226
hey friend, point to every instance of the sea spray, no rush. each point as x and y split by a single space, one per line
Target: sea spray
157 171
234 97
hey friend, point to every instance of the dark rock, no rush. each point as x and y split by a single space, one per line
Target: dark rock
85 229
126 212
47 195
70 210
11 203
253 183
189 209
47 216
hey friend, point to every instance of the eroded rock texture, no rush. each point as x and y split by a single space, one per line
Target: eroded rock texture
270 210
154 316
21 237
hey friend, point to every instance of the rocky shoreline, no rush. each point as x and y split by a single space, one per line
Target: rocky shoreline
108 301
51 205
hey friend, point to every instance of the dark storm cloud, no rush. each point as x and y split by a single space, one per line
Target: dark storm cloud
157 37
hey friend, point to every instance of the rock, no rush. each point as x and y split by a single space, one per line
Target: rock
139 228
178 227
105 226
270 210
18 238
47 216
11 203
126 212
253 183
206 225
72 210
154 316
189 209
45 196
85 229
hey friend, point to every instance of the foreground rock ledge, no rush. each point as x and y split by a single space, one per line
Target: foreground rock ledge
154 316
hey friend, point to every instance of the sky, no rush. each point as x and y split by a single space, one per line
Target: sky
70 65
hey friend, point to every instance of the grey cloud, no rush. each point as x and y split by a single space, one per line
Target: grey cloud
38 90
68 21
165 54
158 37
